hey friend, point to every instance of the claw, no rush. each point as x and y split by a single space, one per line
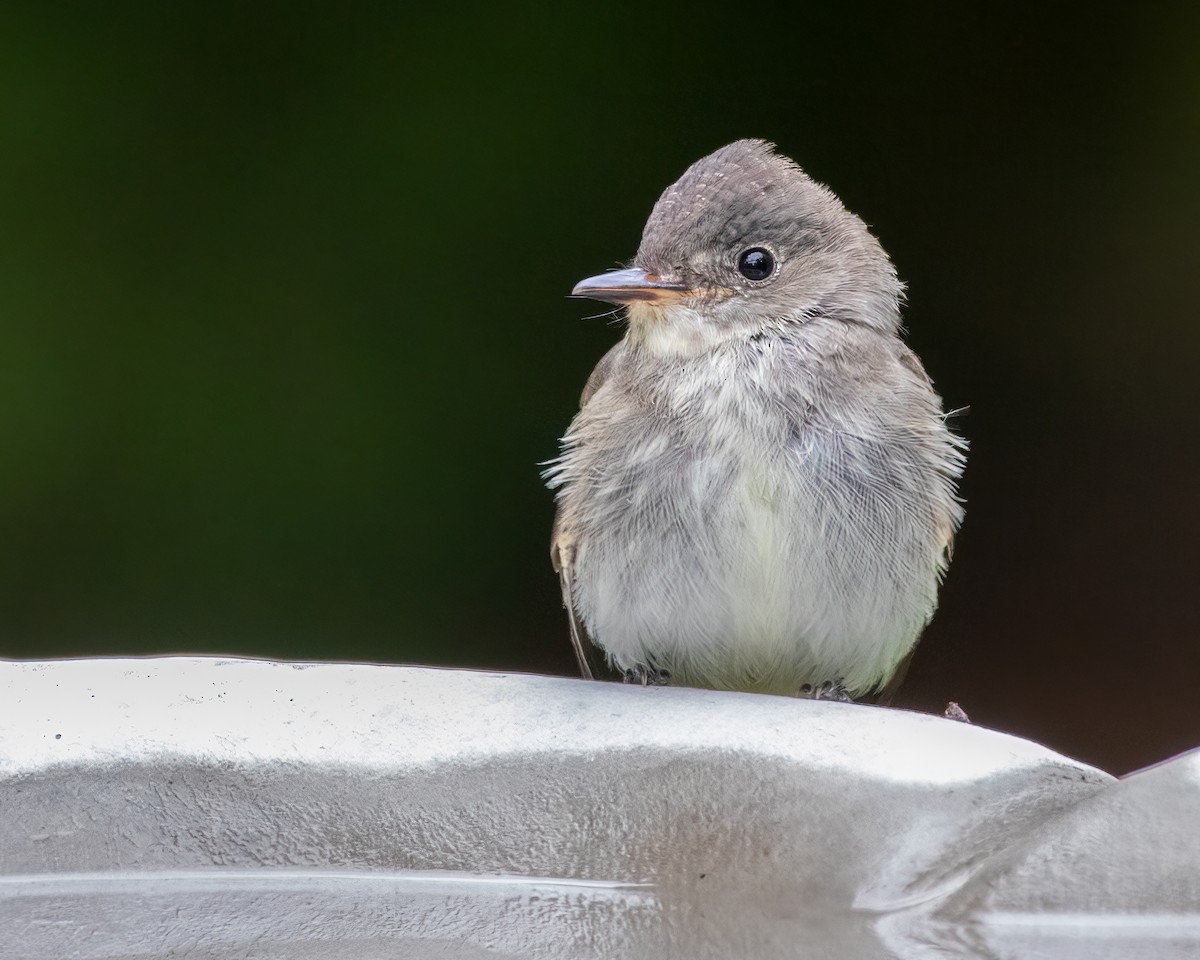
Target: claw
827 690
647 676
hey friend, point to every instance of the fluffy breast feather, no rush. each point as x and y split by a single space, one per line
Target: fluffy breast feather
773 512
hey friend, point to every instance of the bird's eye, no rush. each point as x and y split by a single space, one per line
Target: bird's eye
756 264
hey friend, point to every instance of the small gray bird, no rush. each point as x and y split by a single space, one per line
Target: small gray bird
758 492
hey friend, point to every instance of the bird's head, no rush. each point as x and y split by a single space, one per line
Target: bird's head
745 242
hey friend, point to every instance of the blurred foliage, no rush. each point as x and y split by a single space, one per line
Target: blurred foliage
283 334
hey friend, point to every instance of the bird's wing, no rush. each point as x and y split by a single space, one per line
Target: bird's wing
951 463
562 540
562 556
600 375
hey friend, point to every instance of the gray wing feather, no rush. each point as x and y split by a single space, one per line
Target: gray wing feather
562 543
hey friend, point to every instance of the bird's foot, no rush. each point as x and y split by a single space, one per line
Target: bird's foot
647 676
829 690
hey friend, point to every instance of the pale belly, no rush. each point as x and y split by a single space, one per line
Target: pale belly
757 572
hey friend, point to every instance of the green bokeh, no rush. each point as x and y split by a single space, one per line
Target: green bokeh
283 334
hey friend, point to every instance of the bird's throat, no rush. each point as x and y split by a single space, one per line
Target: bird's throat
673 330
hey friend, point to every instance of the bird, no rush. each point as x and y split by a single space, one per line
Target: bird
759 491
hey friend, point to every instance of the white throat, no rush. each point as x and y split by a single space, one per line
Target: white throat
673 331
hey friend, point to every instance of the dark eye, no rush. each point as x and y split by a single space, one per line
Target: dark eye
756 264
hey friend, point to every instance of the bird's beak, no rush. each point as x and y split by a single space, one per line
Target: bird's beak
627 286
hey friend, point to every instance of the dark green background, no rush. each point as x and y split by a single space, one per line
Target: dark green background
284 334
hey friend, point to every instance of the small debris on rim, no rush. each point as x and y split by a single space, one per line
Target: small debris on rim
954 712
